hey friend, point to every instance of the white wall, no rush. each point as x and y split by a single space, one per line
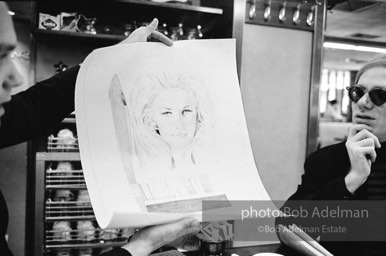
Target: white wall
275 84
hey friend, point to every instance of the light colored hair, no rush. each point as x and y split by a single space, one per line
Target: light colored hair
142 97
3 7
377 62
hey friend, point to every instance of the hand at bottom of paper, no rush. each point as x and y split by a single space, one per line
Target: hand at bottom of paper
150 239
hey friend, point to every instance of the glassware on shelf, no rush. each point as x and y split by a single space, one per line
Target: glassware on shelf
86 25
105 29
164 29
192 34
61 232
86 231
180 31
68 21
64 168
83 198
64 177
66 138
61 175
58 208
174 34
63 253
65 141
108 234
85 252
127 29
166 1
177 33
63 195
199 32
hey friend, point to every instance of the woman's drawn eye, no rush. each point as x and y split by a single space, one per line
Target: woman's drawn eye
186 111
166 113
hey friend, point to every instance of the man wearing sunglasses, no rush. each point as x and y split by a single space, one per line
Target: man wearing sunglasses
354 169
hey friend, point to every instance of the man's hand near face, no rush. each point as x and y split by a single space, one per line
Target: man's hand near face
361 144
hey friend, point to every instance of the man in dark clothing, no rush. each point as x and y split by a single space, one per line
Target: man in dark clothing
34 112
356 169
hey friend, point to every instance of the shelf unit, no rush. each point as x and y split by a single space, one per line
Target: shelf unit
54 33
177 6
58 212
214 16
48 47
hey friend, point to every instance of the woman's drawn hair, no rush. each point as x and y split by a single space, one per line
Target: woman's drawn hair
147 140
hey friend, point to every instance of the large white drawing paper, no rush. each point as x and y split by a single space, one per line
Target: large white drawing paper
161 129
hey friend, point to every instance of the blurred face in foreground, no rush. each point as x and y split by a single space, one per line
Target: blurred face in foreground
9 76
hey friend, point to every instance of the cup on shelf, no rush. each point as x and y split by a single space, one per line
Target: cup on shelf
64 169
83 198
63 253
83 202
62 231
108 234
85 252
63 195
61 199
65 166
85 24
86 230
66 140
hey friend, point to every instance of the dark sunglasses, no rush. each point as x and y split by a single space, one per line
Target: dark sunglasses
377 95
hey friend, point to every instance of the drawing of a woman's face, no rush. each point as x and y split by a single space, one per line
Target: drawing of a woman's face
175 115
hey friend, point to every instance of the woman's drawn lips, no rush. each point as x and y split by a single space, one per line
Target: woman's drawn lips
180 135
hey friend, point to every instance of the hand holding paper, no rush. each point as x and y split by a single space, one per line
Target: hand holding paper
147 240
142 34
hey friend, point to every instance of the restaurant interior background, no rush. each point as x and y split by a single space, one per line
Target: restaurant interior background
359 24
352 23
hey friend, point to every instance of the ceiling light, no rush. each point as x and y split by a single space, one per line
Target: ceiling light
11 13
353 47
